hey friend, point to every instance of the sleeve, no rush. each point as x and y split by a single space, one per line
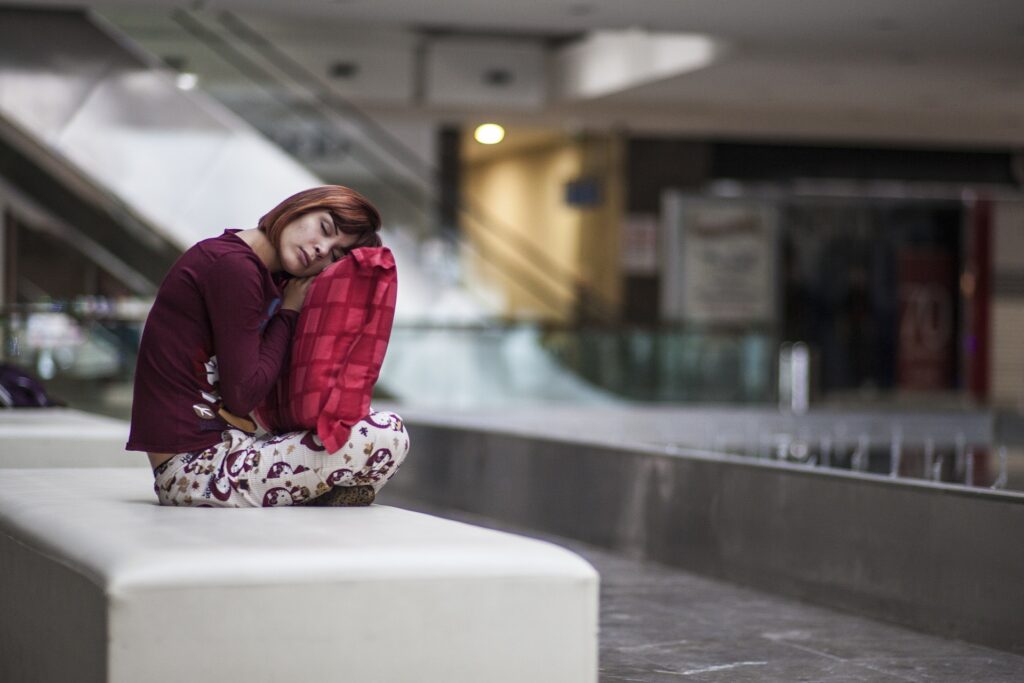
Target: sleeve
249 359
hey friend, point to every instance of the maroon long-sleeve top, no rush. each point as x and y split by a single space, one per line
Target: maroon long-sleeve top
215 337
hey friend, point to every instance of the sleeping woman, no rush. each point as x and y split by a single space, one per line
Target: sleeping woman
214 343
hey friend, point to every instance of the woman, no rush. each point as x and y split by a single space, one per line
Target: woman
215 342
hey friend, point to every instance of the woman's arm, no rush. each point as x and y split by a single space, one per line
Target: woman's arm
249 355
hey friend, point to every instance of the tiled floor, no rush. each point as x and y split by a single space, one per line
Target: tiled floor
660 624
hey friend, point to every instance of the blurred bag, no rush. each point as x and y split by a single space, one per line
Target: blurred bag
18 389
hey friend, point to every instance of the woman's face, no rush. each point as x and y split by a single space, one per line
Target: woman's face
311 242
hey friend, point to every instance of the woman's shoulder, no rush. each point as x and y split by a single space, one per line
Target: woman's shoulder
228 262
226 250
227 241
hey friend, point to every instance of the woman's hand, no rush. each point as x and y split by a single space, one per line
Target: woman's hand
295 292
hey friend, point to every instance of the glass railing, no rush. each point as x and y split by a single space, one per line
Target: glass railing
90 340
709 392
670 365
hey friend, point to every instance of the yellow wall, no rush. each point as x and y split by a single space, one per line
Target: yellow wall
537 247
599 247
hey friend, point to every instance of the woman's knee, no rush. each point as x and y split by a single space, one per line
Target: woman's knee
386 423
390 444
400 438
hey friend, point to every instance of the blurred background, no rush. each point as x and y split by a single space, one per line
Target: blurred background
782 222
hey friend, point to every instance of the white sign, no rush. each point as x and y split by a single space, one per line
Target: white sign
722 253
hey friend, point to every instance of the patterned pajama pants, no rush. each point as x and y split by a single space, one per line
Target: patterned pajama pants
282 469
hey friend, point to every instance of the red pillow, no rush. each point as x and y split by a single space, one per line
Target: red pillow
339 345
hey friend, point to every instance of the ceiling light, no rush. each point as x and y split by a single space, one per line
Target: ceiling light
607 62
187 80
489 134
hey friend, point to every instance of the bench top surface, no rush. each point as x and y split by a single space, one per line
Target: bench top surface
105 524
59 422
63 437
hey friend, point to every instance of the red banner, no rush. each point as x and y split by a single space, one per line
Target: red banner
927 331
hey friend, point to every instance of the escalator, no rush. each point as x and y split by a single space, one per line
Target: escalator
96 134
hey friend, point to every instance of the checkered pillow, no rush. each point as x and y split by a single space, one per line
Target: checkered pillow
339 345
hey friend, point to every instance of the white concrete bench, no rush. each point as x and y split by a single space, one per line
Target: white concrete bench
63 437
101 584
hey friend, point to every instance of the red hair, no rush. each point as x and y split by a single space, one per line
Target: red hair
352 213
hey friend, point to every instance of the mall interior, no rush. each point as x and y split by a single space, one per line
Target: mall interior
722 301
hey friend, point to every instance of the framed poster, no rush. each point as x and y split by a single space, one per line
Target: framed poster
719 260
927 322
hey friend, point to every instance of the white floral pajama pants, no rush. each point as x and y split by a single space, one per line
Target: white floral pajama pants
245 470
